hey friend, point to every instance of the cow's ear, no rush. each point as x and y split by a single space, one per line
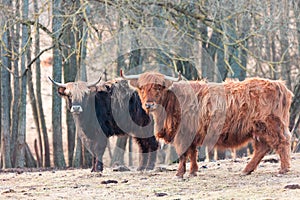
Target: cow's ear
93 88
61 91
168 83
134 83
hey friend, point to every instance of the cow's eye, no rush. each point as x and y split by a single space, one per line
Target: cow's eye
157 88
70 98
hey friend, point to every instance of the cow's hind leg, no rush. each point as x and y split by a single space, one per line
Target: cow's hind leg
260 150
279 139
284 151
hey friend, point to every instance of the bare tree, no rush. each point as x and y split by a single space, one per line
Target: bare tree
71 37
58 154
5 90
20 143
16 80
44 148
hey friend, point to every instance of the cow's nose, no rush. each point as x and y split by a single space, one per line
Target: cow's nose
149 105
76 108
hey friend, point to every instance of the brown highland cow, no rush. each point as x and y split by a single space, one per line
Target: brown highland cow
224 115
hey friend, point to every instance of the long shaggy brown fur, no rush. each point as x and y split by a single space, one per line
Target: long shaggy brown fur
226 115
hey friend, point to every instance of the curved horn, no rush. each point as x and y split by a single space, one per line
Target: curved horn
56 83
129 77
174 79
93 84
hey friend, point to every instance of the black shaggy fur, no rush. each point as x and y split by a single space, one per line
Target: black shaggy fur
112 106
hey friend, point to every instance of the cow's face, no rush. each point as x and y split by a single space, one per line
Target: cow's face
75 94
151 95
152 88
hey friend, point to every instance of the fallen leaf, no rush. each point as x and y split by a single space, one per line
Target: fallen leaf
9 191
160 194
109 181
292 186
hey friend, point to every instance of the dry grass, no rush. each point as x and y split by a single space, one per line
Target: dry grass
215 180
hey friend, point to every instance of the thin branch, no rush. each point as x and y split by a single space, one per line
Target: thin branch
30 63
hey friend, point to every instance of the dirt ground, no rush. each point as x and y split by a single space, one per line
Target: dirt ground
215 180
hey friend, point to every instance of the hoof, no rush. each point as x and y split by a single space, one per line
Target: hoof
149 168
96 170
179 176
194 174
99 167
176 177
141 168
121 168
283 171
245 173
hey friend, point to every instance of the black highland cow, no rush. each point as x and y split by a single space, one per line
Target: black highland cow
105 109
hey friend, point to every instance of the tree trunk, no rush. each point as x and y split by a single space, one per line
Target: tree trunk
295 106
87 157
35 114
20 144
1 143
230 51
30 161
70 72
297 13
5 90
16 82
207 64
59 160
284 45
44 148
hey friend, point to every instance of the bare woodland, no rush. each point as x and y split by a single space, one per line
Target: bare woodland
83 39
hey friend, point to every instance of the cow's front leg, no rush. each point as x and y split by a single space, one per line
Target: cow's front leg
143 148
97 165
94 164
97 161
153 147
182 166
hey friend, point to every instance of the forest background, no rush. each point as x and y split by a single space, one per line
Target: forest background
82 39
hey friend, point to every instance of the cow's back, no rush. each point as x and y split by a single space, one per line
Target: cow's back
119 110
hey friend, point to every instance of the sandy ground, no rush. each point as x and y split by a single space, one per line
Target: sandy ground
215 180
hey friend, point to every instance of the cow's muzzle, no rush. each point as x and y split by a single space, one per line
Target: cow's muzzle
150 106
76 109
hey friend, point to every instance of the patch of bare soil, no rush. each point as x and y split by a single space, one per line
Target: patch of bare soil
215 180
